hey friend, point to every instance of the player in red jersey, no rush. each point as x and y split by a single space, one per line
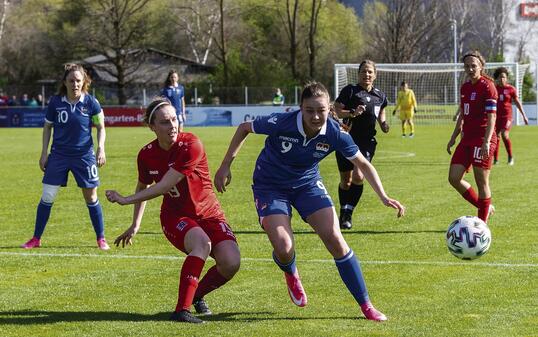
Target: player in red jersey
476 124
191 217
507 94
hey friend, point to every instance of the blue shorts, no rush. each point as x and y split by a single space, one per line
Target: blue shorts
84 170
306 199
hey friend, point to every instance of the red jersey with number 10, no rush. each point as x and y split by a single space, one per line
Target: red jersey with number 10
504 104
193 196
477 101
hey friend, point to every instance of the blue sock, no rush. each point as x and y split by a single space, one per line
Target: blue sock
289 268
96 215
41 218
350 272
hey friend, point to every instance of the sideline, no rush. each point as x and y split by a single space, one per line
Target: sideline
250 259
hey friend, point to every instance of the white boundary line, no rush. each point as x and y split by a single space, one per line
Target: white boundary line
172 257
387 154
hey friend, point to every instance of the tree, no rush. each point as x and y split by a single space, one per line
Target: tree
313 27
289 17
403 31
4 10
198 20
114 28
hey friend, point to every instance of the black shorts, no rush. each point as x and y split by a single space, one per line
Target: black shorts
367 148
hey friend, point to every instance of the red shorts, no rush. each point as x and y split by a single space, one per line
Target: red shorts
175 228
468 155
503 123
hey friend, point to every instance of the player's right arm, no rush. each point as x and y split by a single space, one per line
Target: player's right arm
47 132
138 212
456 132
223 176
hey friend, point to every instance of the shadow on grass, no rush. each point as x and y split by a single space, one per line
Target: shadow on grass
29 317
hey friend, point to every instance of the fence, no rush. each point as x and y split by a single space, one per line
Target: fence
141 95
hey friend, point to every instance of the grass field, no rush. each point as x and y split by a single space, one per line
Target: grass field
70 288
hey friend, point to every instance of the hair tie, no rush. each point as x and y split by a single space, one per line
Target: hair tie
153 110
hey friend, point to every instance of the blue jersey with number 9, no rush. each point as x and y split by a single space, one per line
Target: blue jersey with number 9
289 159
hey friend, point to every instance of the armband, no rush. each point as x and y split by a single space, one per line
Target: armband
98 119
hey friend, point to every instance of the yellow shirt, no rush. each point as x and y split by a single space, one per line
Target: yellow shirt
406 100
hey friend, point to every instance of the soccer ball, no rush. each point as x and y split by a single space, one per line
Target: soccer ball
468 237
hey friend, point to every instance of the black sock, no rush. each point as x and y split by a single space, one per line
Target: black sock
343 195
355 193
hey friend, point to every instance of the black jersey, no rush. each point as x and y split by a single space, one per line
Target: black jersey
351 96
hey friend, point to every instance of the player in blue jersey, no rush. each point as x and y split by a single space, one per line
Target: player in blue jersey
287 174
360 105
71 113
175 93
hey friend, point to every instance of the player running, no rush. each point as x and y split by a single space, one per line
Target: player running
476 123
503 124
287 174
71 113
361 105
191 217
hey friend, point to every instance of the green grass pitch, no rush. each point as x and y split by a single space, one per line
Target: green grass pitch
70 288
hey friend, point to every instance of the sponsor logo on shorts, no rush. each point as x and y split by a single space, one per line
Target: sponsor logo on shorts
154 172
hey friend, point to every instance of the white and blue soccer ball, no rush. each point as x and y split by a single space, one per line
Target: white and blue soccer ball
468 237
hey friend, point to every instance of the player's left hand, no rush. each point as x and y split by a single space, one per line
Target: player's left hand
101 157
126 237
484 150
114 196
385 126
396 205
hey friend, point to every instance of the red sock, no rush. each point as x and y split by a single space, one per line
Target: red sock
471 196
508 146
483 209
211 281
188 281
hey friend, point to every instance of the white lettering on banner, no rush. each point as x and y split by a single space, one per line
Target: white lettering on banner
124 119
529 10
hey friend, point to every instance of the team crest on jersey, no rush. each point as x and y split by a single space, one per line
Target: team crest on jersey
322 147
506 92
473 96
181 225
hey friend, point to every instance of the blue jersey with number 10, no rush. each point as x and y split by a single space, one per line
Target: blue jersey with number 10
72 124
289 159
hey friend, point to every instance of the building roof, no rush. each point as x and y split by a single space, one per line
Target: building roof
145 66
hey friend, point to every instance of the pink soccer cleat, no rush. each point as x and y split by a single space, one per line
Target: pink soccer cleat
295 289
101 243
32 243
372 313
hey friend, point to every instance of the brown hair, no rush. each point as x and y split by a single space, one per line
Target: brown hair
476 54
499 71
367 62
316 89
157 103
168 81
68 68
